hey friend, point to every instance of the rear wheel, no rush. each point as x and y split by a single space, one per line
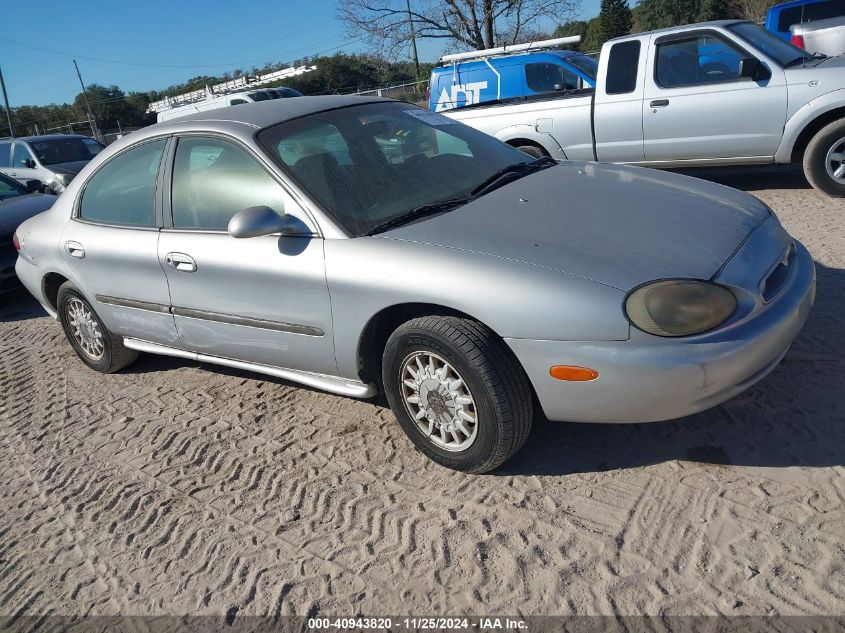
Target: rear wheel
95 345
457 391
824 159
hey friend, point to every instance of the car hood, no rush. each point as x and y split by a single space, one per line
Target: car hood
827 71
14 211
620 226
71 169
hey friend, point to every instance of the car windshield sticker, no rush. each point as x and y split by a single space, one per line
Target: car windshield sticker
432 118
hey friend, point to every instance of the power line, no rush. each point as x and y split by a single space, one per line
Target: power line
146 65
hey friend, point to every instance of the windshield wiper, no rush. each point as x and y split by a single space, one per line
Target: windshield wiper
803 60
418 212
510 173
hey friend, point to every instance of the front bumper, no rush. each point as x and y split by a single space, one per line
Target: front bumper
649 378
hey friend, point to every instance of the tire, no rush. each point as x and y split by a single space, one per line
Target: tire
488 375
532 150
818 169
110 355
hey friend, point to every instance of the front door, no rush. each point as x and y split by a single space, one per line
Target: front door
697 107
263 299
23 164
111 246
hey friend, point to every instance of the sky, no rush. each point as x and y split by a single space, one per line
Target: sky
152 44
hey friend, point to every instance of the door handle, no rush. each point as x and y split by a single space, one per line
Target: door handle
181 262
74 249
659 103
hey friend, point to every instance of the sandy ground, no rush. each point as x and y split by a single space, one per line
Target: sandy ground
176 488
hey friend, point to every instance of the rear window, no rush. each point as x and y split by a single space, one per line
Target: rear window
622 67
810 12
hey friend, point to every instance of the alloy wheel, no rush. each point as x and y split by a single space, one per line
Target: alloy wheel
439 401
835 161
85 329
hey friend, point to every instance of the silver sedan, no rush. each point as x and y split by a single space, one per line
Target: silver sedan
364 245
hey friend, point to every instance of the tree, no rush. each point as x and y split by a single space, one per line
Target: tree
459 23
658 14
593 38
614 19
571 28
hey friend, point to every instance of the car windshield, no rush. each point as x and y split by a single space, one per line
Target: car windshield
780 50
371 164
66 150
10 188
585 64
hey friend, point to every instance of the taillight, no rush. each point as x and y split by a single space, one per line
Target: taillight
798 40
16 243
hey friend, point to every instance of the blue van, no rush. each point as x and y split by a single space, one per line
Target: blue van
510 76
781 16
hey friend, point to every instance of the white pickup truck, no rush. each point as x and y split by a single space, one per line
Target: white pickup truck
715 93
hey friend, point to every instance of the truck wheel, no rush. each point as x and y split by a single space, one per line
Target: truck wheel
824 159
457 391
95 345
532 150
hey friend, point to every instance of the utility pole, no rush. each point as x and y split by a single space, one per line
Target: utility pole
8 110
91 120
413 38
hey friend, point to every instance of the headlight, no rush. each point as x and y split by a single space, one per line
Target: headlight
679 307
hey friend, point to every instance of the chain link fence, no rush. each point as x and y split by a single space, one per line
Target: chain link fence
412 91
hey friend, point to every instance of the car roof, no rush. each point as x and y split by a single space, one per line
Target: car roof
519 58
265 113
680 28
792 3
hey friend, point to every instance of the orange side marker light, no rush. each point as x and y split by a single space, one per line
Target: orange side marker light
573 373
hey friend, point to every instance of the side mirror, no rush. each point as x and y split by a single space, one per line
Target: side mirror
256 221
33 185
559 87
751 68
29 163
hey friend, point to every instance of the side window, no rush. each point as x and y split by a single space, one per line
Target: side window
5 154
622 65
238 101
21 155
549 77
213 180
699 60
123 190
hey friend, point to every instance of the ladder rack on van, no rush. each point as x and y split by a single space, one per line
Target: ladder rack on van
227 87
515 48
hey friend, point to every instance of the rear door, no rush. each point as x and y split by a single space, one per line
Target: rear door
110 245
261 300
618 116
697 107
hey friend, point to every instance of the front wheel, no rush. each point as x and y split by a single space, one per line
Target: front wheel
824 160
457 391
92 341
533 150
